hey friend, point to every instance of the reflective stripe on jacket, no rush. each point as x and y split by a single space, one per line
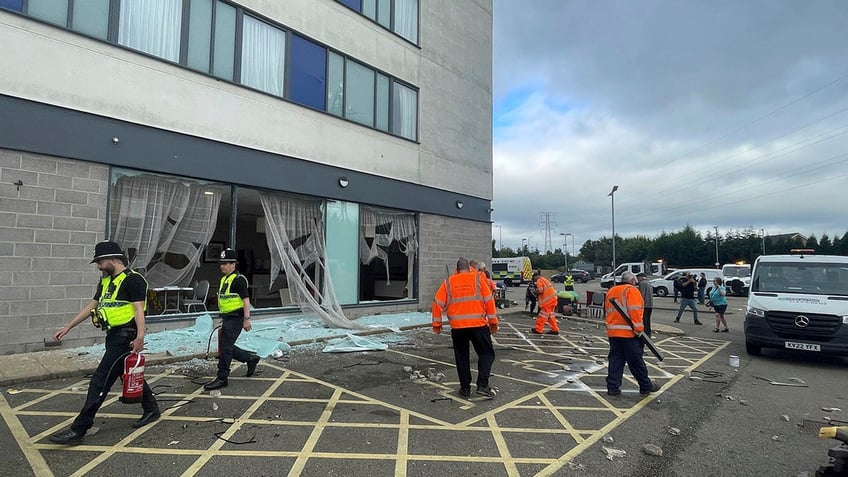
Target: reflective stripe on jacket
228 302
630 299
115 312
545 292
467 301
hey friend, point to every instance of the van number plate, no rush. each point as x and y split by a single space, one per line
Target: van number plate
803 346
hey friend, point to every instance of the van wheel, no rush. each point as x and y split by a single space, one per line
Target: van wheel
753 350
662 291
736 287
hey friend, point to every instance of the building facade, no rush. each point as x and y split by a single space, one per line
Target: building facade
342 147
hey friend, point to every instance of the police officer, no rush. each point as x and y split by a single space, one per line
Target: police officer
234 305
568 282
118 306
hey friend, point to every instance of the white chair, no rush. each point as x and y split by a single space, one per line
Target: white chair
201 290
596 308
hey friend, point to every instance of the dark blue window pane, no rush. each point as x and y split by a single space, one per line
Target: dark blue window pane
15 4
354 4
307 73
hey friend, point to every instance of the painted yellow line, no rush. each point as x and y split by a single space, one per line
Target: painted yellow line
312 440
402 446
36 461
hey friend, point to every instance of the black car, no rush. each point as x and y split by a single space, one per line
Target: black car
579 276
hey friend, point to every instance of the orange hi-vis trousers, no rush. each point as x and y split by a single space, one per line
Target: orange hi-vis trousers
546 314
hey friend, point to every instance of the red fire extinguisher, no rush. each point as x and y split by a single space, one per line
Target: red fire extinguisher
133 378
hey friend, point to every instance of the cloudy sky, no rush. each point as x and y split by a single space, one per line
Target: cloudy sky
722 113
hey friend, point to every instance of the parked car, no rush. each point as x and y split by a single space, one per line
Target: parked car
579 276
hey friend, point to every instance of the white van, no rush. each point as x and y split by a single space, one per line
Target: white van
665 286
737 277
798 302
512 271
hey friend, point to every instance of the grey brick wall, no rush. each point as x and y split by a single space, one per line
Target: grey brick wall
48 228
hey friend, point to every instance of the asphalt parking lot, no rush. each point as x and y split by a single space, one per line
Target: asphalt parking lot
394 412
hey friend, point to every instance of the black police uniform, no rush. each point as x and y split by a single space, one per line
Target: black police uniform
118 343
231 326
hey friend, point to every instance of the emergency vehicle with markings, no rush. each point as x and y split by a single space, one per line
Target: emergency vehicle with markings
512 271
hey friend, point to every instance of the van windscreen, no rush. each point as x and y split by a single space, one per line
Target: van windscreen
804 278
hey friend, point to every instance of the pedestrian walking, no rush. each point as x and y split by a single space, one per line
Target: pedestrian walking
702 286
530 300
676 285
687 297
625 344
234 305
647 292
470 308
118 307
718 297
547 296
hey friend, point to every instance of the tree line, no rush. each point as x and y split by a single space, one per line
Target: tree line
686 248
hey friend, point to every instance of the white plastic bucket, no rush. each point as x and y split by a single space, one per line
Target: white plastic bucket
734 361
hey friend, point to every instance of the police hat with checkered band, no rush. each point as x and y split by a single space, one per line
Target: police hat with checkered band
107 249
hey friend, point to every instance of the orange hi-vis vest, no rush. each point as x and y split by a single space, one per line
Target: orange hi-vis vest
630 299
467 301
547 294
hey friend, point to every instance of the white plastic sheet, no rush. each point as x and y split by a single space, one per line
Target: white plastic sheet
354 343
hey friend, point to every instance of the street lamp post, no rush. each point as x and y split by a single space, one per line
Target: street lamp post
565 247
500 237
612 197
522 246
763 235
717 264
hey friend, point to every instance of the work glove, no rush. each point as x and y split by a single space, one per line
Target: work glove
493 327
437 330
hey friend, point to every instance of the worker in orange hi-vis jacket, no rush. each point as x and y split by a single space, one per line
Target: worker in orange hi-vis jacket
470 307
547 296
625 345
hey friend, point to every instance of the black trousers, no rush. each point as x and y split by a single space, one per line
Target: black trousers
481 339
231 327
118 344
626 350
646 319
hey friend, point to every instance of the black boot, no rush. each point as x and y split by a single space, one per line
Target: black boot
251 365
218 383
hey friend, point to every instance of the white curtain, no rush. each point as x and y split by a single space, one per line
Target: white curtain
295 233
151 26
405 111
406 19
263 56
386 226
152 216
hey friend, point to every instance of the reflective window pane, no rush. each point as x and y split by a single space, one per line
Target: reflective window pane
342 219
16 5
359 90
53 11
307 72
223 59
262 56
335 84
200 35
369 9
382 113
91 17
384 13
354 4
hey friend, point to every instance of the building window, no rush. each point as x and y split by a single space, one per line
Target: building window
262 56
307 72
52 11
403 22
382 103
204 14
151 26
91 18
404 111
17 5
406 19
335 84
359 93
